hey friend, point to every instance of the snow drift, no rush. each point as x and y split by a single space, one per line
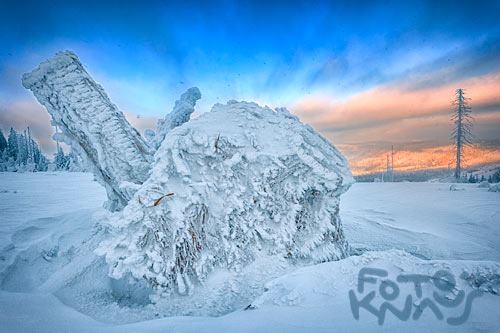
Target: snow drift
239 183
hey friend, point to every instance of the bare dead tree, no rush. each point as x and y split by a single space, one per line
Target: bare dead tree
461 134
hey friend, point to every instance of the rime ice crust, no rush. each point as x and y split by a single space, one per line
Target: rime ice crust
92 125
247 182
238 184
180 114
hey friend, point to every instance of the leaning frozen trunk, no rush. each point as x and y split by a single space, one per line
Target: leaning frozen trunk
236 184
92 125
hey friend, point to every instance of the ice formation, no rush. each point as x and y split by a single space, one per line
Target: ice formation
236 184
180 114
92 125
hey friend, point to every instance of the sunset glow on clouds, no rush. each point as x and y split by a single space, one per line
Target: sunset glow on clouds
393 103
365 75
398 114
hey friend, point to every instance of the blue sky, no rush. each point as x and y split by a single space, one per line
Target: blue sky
145 53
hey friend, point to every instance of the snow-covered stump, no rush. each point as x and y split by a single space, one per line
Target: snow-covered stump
237 183
92 125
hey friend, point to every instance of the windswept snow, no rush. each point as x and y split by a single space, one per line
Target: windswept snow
52 282
311 299
425 219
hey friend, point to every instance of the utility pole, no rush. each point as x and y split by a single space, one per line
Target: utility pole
392 163
388 168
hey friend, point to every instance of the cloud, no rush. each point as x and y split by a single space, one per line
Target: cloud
358 73
395 105
366 124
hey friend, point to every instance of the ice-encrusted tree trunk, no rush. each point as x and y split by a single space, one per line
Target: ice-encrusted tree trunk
92 125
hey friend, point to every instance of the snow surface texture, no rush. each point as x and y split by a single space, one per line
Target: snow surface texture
51 280
495 187
424 219
238 183
92 125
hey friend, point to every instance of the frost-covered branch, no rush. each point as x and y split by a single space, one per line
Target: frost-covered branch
180 114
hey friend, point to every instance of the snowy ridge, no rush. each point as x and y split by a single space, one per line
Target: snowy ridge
238 183
91 124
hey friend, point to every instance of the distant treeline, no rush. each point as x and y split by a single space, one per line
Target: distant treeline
444 175
21 153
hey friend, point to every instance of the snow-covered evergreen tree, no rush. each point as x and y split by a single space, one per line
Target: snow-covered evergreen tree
461 134
41 161
22 151
3 142
4 158
60 160
3 152
12 144
495 178
22 154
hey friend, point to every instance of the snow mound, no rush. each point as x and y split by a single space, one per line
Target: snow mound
299 288
92 125
238 183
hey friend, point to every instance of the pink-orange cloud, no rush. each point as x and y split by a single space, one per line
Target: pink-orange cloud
396 113
394 103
